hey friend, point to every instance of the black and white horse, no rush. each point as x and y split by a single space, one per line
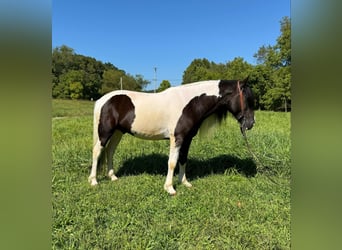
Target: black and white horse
175 114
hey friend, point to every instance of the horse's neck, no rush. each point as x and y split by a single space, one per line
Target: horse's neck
189 91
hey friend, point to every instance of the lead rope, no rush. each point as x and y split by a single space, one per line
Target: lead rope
256 159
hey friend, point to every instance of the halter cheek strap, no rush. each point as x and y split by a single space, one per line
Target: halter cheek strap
241 96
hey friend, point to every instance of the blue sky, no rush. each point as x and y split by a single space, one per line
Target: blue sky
137 36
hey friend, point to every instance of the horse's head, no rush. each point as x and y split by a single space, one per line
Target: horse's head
240 100
243 105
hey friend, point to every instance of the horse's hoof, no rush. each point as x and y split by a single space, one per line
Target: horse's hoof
111 175
113 178
172 193
187 184
170 190
92 181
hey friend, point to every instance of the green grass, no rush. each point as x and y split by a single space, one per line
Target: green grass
62 108
232 204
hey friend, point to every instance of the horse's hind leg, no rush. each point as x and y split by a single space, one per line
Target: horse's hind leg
97 154
110 150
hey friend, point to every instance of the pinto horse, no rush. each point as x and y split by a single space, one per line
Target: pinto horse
176 114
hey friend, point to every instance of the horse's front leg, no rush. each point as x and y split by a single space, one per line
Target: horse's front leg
173 158
182 176
183 155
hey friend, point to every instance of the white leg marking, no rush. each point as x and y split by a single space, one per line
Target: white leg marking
114 141
182 177
96 154
111 175
173 158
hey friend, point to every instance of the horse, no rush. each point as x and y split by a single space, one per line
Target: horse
176 114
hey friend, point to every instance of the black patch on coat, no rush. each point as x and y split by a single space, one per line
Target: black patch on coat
117 113
226 87
194 113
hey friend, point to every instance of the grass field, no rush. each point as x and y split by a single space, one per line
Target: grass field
232 205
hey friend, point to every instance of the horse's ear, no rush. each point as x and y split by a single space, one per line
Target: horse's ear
244 82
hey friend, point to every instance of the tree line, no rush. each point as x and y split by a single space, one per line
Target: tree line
81 77
77 76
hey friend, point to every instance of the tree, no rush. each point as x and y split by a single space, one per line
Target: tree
133 83
76 89
198 70
270 79
237 69
111 80
165 84
71 83
62 59
61 62
202 69
142 83
284 42
277 62
258 79
83 77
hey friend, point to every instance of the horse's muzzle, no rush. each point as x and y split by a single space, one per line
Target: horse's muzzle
246 124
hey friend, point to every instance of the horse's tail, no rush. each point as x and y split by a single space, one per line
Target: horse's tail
96 120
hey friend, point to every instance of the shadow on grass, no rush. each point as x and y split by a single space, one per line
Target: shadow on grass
157 164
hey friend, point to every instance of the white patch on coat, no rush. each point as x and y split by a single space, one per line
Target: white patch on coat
156 115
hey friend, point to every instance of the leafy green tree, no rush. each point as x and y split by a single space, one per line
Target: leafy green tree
62 60
92 70
258 79
71 83
198 70
270 79
238 68
111 80
284 42
83 77
202 69
165 84
76 89
131 83
276 61
141 82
